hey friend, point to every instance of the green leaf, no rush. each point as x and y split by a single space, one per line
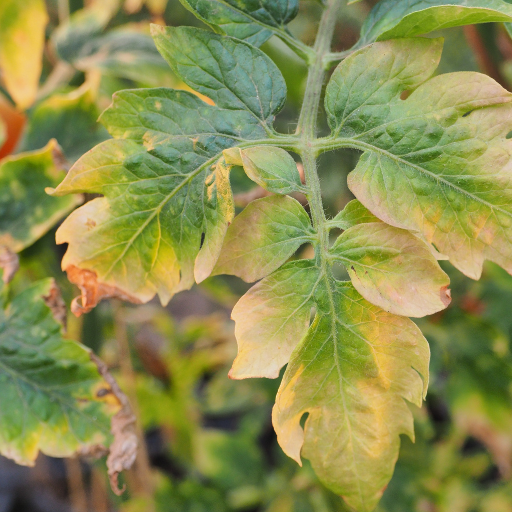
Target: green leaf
22 27
234 74
435 163
26 212
271 318
352 373
163 180
52 118
393 269
263 237
50 387
250 20
354 213
270 167
391 19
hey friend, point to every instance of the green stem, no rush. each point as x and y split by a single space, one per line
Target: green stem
331 59
307 125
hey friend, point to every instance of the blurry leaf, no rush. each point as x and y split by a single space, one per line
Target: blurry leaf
250 20
51 391
393 269
435 163
127 54
263 237
271 168
71 37
142 238
271 318
9 263
351 373
391 19
22 26
156 7
26 212
71 119
230 460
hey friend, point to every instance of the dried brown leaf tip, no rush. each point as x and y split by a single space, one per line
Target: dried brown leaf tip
123 450
9 262
93 290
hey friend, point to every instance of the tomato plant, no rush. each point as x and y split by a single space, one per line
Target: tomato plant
432 183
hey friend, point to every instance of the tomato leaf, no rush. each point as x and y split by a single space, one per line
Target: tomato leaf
22 27
23 179
271 168
393 269
352 373
390 19
160 190
251 20
50 387
263 237
271 318
435 163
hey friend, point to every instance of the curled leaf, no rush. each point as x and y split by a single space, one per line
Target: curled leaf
93 291
123 450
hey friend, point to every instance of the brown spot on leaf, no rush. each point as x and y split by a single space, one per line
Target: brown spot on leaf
56 304
90 223
9 262
93 290
123 450
446 295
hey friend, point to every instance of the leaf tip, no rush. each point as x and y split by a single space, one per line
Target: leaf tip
446 295
157 30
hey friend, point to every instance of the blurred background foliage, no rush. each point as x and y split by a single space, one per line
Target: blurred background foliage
209 443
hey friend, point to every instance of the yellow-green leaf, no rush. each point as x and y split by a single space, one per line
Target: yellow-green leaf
436 163
51 390
393 269
22 26
271 318
263 237
270 167
163 178
352 374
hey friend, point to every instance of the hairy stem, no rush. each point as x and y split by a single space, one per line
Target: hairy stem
307 126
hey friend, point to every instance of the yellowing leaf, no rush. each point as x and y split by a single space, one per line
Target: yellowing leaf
352 373
354 213
393 269
271 318
51 390
263 237
163 178
436 163
22 26
271 168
